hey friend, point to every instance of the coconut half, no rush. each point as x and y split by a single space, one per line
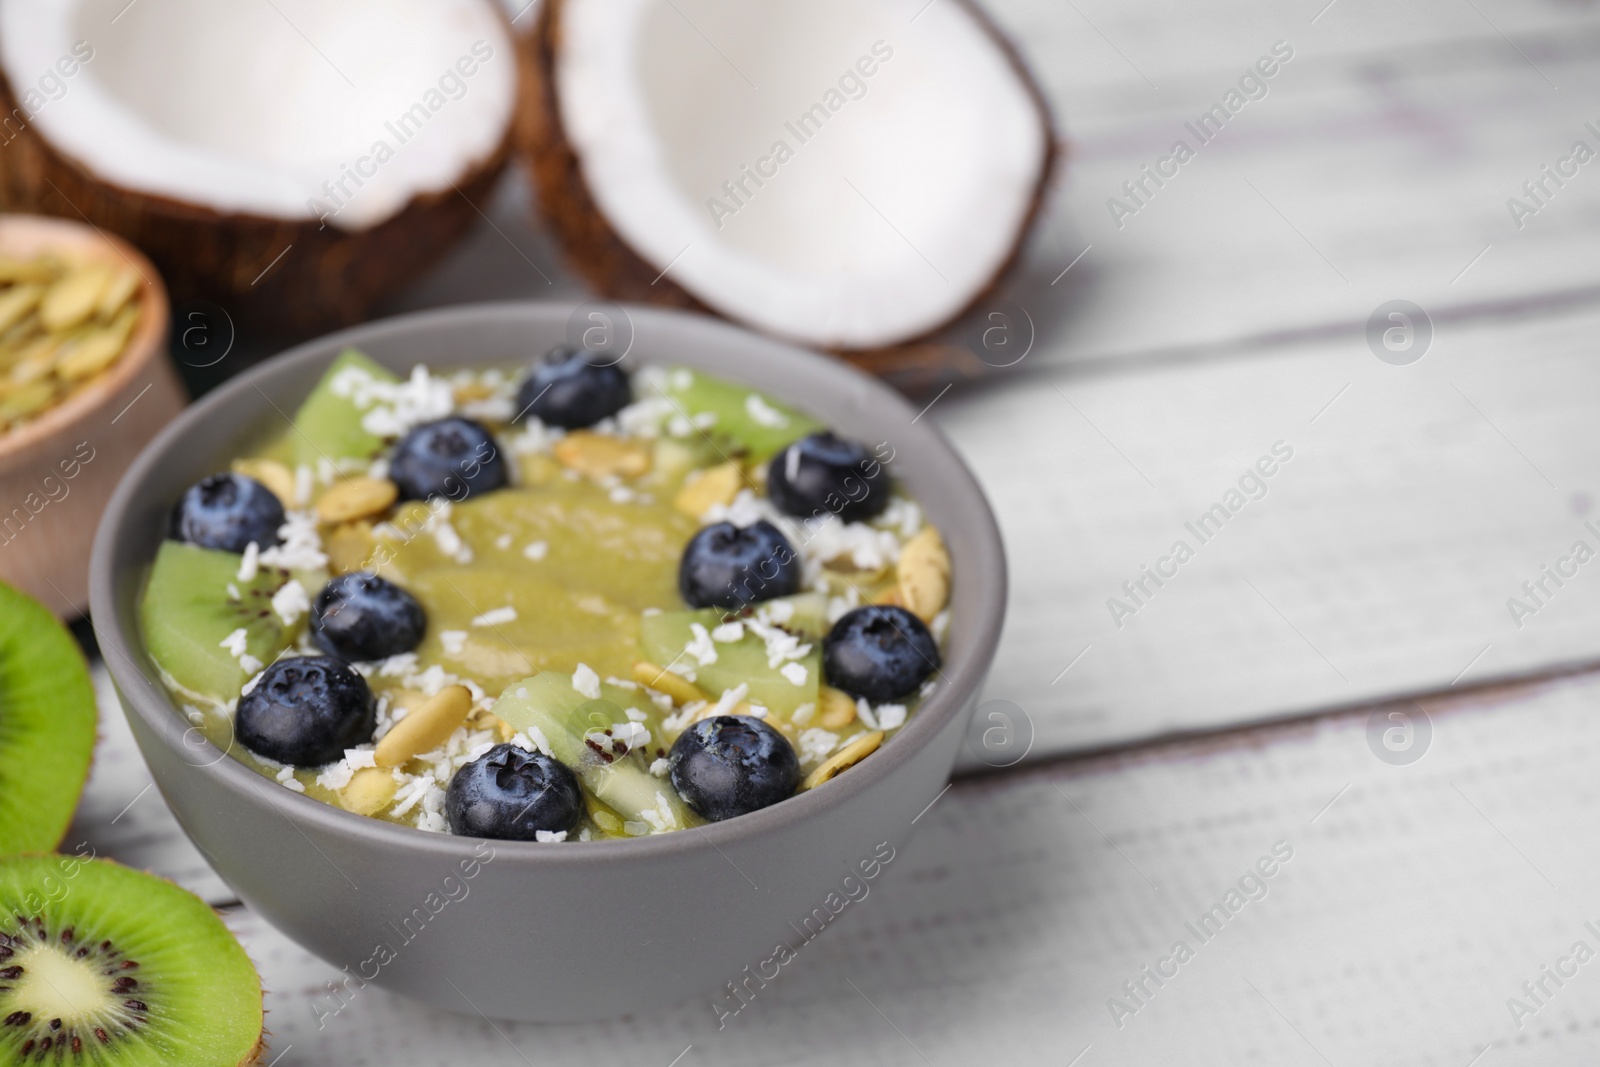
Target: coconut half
849 174
292 159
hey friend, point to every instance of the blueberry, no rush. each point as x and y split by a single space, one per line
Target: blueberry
880 652
823 474
511 794
359 616
574 388
731 765
728 567
305 711
228 511
453 458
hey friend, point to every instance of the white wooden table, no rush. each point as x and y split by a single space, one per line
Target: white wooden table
1242 705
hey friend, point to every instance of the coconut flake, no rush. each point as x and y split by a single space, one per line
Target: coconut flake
764 414
701 646
815 744
249 566
301 547
496 617
586 681
290 602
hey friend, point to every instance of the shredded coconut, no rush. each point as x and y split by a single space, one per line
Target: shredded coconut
290 602
536 550
701 647
303 481
891 716
549 837
586 681
730 699
763 413
235 642
250 565
497 617
796 673
301 549
446 537
453 641
392 408
815 745
627 736
644 418
337 776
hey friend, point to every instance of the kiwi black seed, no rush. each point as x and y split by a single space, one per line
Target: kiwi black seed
47 722
104 965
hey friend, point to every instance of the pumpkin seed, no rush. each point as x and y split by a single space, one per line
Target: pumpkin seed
97 349
715 485
924 574
425 728
349 547
357 498
599 455
836 709
17 302
680 689
369 791
270 473
27 400
118 291
70 301
843 760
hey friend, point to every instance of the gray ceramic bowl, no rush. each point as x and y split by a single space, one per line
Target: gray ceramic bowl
541 932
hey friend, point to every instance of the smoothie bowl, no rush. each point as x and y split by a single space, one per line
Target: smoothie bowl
543 681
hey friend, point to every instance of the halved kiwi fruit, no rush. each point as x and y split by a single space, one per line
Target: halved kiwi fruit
47 723
188 611
663 637
101 964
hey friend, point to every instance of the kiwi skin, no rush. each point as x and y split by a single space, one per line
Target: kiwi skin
47 725
176 986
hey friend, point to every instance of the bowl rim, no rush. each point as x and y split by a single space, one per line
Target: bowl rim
145 343
142 695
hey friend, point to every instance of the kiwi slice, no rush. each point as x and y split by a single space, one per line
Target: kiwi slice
755 428
47 722
329 425
574 725
100 964
188 611
664 637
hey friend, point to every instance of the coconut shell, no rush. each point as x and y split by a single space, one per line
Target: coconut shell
602 257
326 279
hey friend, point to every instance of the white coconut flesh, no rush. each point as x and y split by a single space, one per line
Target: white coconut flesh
287 109
745 149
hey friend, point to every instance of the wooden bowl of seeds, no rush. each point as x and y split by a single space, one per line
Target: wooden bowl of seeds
85 383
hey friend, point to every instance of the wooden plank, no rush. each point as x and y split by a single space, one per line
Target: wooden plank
1380 560
1416 901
